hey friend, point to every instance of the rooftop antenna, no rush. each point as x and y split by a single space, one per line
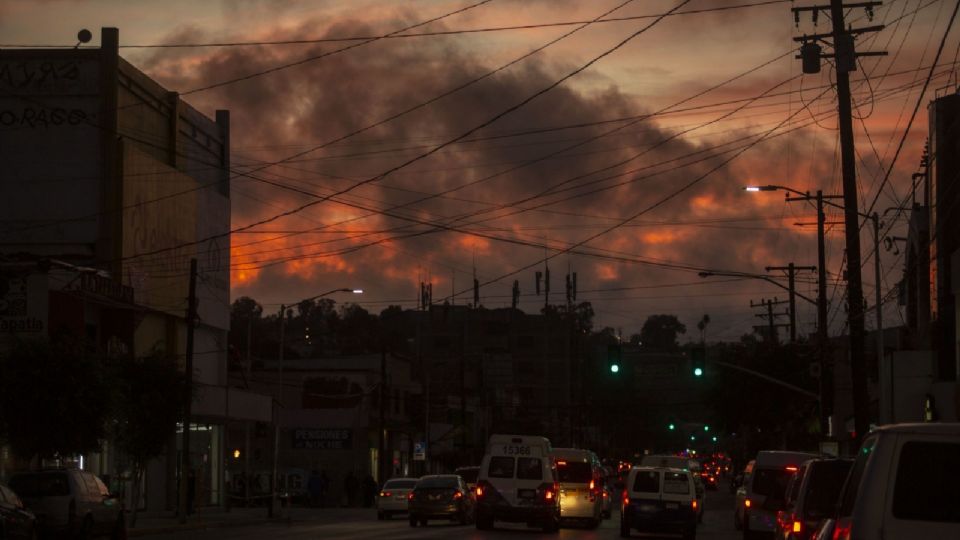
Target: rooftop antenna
84 36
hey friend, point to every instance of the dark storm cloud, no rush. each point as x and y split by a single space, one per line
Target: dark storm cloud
291 109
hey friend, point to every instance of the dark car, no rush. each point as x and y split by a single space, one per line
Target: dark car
469 475
441 497
16 522
811 497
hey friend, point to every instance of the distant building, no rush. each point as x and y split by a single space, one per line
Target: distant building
110 185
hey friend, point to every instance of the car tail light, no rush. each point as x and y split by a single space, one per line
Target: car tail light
694 504
792 468
746 503
843 530
457 495
386 494
797 526
479 491
626 499
410 496
593 485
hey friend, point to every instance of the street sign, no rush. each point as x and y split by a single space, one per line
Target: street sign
419 451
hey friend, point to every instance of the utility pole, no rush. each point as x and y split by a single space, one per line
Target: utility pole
382 446
791 270
846 61
188 394
771 317
274 510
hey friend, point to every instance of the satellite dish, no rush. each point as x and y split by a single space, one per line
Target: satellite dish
84 36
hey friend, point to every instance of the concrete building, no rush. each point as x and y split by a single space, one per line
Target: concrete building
111 185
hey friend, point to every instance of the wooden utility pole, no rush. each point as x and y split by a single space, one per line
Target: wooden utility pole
185 465
791 270
382 446
771 317
845 57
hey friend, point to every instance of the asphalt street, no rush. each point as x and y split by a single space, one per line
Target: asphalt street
717 525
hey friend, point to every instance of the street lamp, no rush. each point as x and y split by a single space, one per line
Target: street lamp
284 313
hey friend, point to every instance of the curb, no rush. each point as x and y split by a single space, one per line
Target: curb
190 526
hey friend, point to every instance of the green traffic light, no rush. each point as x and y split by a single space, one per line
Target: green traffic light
614 368
706 428
693 437
698 372
714 438
672 427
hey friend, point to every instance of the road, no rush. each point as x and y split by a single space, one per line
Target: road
717 525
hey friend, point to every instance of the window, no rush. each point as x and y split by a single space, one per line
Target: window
823 488
676 483
925 487
438 482
102 487
793 488
647 482
852 484
575 472
529 468
400 484
771 482
500 467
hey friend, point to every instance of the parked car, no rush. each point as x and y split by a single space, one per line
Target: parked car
518 483
903 485
580 475
70 501
442 496
393 495
659 500
811 497
16 522
766 491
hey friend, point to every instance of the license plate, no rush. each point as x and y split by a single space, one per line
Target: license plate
399 497
527 493
648 508
673 506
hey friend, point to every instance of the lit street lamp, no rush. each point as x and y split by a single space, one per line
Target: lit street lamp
284 313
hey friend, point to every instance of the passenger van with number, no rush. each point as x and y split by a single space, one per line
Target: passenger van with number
581 477
518 483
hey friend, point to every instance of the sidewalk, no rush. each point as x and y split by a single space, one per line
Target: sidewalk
209 518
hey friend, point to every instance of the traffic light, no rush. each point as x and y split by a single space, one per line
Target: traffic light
613 357
706 428
714 438
672 426
697 360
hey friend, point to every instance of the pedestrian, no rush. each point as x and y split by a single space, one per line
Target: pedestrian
314 488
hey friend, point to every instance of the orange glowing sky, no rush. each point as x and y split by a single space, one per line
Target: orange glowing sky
481 207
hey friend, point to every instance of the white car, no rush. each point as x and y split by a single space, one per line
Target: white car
680 462
903 485
70 502
518 483
660 500
393 497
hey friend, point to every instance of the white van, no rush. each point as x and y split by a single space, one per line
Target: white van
903 485
518 483
680 462
659 500
580 476
766 489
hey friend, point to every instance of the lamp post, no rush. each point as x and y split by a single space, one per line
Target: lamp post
284 313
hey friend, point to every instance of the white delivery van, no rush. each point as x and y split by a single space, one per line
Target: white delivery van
581 477
659 500
680 462
518 483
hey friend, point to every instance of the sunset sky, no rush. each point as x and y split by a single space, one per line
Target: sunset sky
646 132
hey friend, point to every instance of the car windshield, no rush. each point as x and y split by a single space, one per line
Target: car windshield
437 482
823 488
400 484
574 472
40 485
771 482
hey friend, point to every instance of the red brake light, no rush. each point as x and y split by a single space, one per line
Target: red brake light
479 491
746 503
797 526
410 496
694 504
561 463
626 499
592 485
791 468
457 494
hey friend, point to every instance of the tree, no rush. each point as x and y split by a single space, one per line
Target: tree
54 399
145 414
660 332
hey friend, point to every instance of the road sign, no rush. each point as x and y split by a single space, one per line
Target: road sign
419 451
